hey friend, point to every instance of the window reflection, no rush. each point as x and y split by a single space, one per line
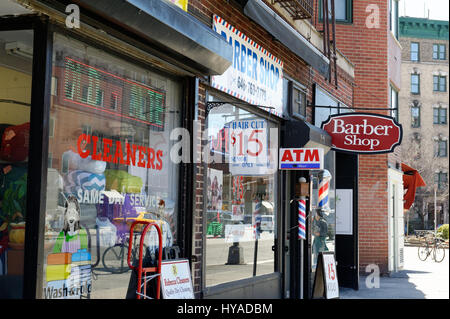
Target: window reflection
241 199
323 215
110 166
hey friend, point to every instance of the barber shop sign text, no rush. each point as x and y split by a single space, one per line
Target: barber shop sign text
256 75
363 133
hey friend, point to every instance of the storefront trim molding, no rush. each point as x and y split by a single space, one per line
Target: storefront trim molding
263 286
170 27
38 157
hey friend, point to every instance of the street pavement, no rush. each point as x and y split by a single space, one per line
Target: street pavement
418 280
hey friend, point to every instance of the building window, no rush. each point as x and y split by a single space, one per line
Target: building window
116 165
439 83
440 179
241 199
439 115
114 101
343 10
415 83
394 103
415 116
99 97
393 25
69 90
298 102
439 52
441 148
415 55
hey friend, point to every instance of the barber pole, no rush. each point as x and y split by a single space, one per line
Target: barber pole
323 192
256 217
301 219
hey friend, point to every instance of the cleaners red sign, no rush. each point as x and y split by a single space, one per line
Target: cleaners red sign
363 133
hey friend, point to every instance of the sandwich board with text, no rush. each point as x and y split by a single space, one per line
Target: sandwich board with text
325 281
176 280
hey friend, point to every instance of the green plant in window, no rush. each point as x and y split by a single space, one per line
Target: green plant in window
14 201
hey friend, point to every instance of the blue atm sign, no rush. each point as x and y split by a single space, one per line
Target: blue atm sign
301 158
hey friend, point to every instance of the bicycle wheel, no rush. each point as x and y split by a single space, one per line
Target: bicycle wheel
438 253
423 253
114 259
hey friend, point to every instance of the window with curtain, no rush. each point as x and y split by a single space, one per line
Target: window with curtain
441 180
415 116
343 10
439 52
439 115
441 148
439 83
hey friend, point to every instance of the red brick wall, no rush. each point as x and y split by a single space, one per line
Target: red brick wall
367 48
293 66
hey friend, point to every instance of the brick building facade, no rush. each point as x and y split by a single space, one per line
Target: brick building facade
368 37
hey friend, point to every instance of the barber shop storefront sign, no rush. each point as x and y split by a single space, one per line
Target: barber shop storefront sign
363 133
256 75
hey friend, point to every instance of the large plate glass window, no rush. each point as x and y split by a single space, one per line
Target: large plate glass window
109 166
16 56
241 196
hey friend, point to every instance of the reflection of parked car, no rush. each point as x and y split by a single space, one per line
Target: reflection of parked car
142 216
267 223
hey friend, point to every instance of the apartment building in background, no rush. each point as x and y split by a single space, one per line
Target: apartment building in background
424 103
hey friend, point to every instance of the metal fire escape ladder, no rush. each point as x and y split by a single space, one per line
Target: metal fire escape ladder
329 38
298 9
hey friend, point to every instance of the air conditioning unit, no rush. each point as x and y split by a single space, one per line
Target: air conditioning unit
19 49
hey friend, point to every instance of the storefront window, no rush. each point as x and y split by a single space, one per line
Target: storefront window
109 167
16 55
323 219
241 195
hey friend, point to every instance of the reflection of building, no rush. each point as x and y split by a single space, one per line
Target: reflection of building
424 114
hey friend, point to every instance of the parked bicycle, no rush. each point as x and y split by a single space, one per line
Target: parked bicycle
114 258
435 248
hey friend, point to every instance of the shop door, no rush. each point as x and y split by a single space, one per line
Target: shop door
347 220
296 252
16 54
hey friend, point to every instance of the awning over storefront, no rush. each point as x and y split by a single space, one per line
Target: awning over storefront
168 26
411 180
287 35
296 134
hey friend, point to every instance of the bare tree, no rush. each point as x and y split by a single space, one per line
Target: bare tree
426 163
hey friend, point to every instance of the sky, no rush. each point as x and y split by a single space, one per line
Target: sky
438 9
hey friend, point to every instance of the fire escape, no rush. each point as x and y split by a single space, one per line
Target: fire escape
304 9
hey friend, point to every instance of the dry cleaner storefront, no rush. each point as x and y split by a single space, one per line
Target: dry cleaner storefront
86 120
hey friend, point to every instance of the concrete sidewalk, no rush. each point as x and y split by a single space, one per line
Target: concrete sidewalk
418 280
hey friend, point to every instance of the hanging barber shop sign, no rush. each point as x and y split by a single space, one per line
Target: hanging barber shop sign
363 133
256 74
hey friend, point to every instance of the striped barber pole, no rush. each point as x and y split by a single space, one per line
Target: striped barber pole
302 219
323 192
256 218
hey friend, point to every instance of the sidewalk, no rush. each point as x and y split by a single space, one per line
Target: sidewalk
418 280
